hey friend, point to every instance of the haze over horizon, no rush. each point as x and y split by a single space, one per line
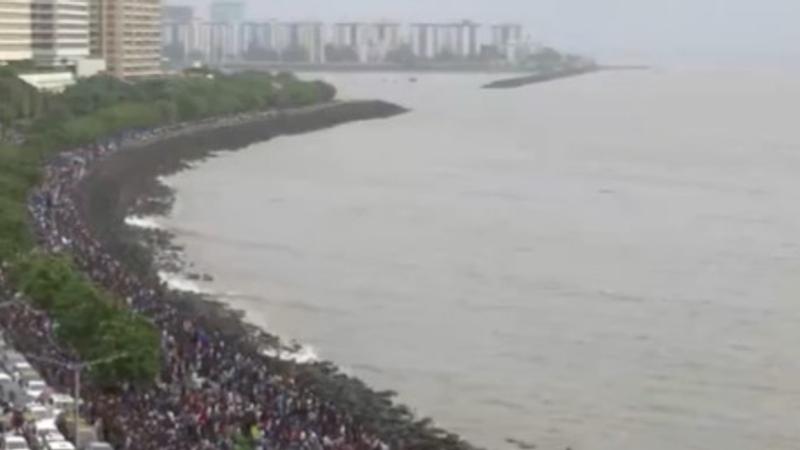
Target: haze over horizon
713 32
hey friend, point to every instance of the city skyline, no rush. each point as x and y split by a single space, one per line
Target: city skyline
682 31
232 35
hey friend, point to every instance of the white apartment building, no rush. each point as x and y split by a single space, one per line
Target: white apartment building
60 30
127 34
505 35
425 40
371 41
468 39
179 32
256 36
15 30
309 36
218 41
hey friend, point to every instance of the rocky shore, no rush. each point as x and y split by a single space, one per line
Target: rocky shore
213 361
127 183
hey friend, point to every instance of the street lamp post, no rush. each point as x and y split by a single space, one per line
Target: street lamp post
77 368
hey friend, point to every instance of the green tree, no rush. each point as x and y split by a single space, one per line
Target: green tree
137 344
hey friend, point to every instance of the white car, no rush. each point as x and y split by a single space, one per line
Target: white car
37 412
24 372
35 388
47 430
20 366
15 443
61 403
59 445
9 358
99 446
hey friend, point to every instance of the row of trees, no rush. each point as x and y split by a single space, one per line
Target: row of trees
88 319
103 106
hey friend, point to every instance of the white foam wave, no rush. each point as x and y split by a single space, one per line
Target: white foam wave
303 354
175 281
146 222
166 181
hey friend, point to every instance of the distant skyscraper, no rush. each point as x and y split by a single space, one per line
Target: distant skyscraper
256 38
371 41
506 34
177 14
227 11
218 41
422 39
127 34
467 38
223 34
178 32
307 36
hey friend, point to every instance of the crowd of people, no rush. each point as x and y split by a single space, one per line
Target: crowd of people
213 392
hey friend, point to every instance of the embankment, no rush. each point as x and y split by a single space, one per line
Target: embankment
541 77
127 182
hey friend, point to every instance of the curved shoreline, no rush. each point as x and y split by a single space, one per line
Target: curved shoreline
122 182
128 183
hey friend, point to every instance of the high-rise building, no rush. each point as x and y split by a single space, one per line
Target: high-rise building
60 31
227 11
423 40
15 30
446 40
177 14
217 41
434 40
223 29
257 38
127 34
178 32
308 36
370 41
506 34
467 38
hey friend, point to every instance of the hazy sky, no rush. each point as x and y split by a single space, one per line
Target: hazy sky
720 31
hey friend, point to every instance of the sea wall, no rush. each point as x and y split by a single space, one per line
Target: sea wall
541 77
127 181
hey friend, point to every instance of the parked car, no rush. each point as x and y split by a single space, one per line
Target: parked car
11 442
34 389
59 445
24 372
61 403
46 429
99 446
9 357
37 411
